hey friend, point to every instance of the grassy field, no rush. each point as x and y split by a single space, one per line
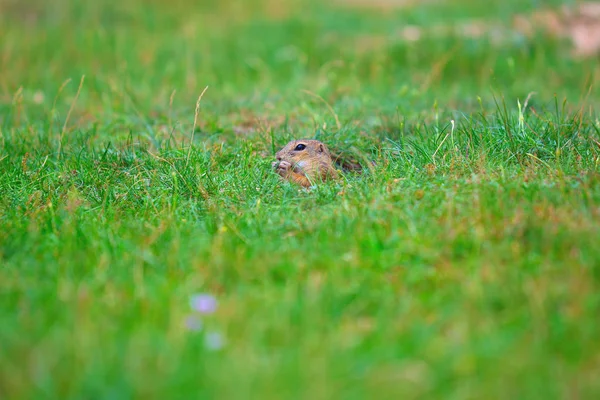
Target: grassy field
465 264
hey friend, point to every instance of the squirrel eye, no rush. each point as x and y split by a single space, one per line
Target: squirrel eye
300 147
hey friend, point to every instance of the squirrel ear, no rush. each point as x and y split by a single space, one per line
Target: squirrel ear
321 148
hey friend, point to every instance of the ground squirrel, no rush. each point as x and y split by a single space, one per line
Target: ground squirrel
305 162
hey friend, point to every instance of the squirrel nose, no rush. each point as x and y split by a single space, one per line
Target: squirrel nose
278 157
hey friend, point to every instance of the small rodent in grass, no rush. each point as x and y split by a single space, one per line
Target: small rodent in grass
305 162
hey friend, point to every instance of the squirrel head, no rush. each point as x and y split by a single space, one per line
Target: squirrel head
306 155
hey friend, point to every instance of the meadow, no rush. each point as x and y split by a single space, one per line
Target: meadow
148 250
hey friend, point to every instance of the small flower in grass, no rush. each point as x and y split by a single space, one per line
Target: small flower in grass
203 303
214 341
193 323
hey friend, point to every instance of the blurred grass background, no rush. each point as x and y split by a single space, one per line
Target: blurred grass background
465 264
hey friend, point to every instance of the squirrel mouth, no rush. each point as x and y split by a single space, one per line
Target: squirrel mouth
300 166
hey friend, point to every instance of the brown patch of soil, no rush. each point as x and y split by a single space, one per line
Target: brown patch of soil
579 24
380 5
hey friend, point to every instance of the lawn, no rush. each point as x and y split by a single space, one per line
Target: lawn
136 188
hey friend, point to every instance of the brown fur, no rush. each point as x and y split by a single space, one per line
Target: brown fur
306 166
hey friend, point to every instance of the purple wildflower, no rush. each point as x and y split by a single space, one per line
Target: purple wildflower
193 324
203 303
214 341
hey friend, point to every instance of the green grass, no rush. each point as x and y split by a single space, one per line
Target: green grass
464 264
